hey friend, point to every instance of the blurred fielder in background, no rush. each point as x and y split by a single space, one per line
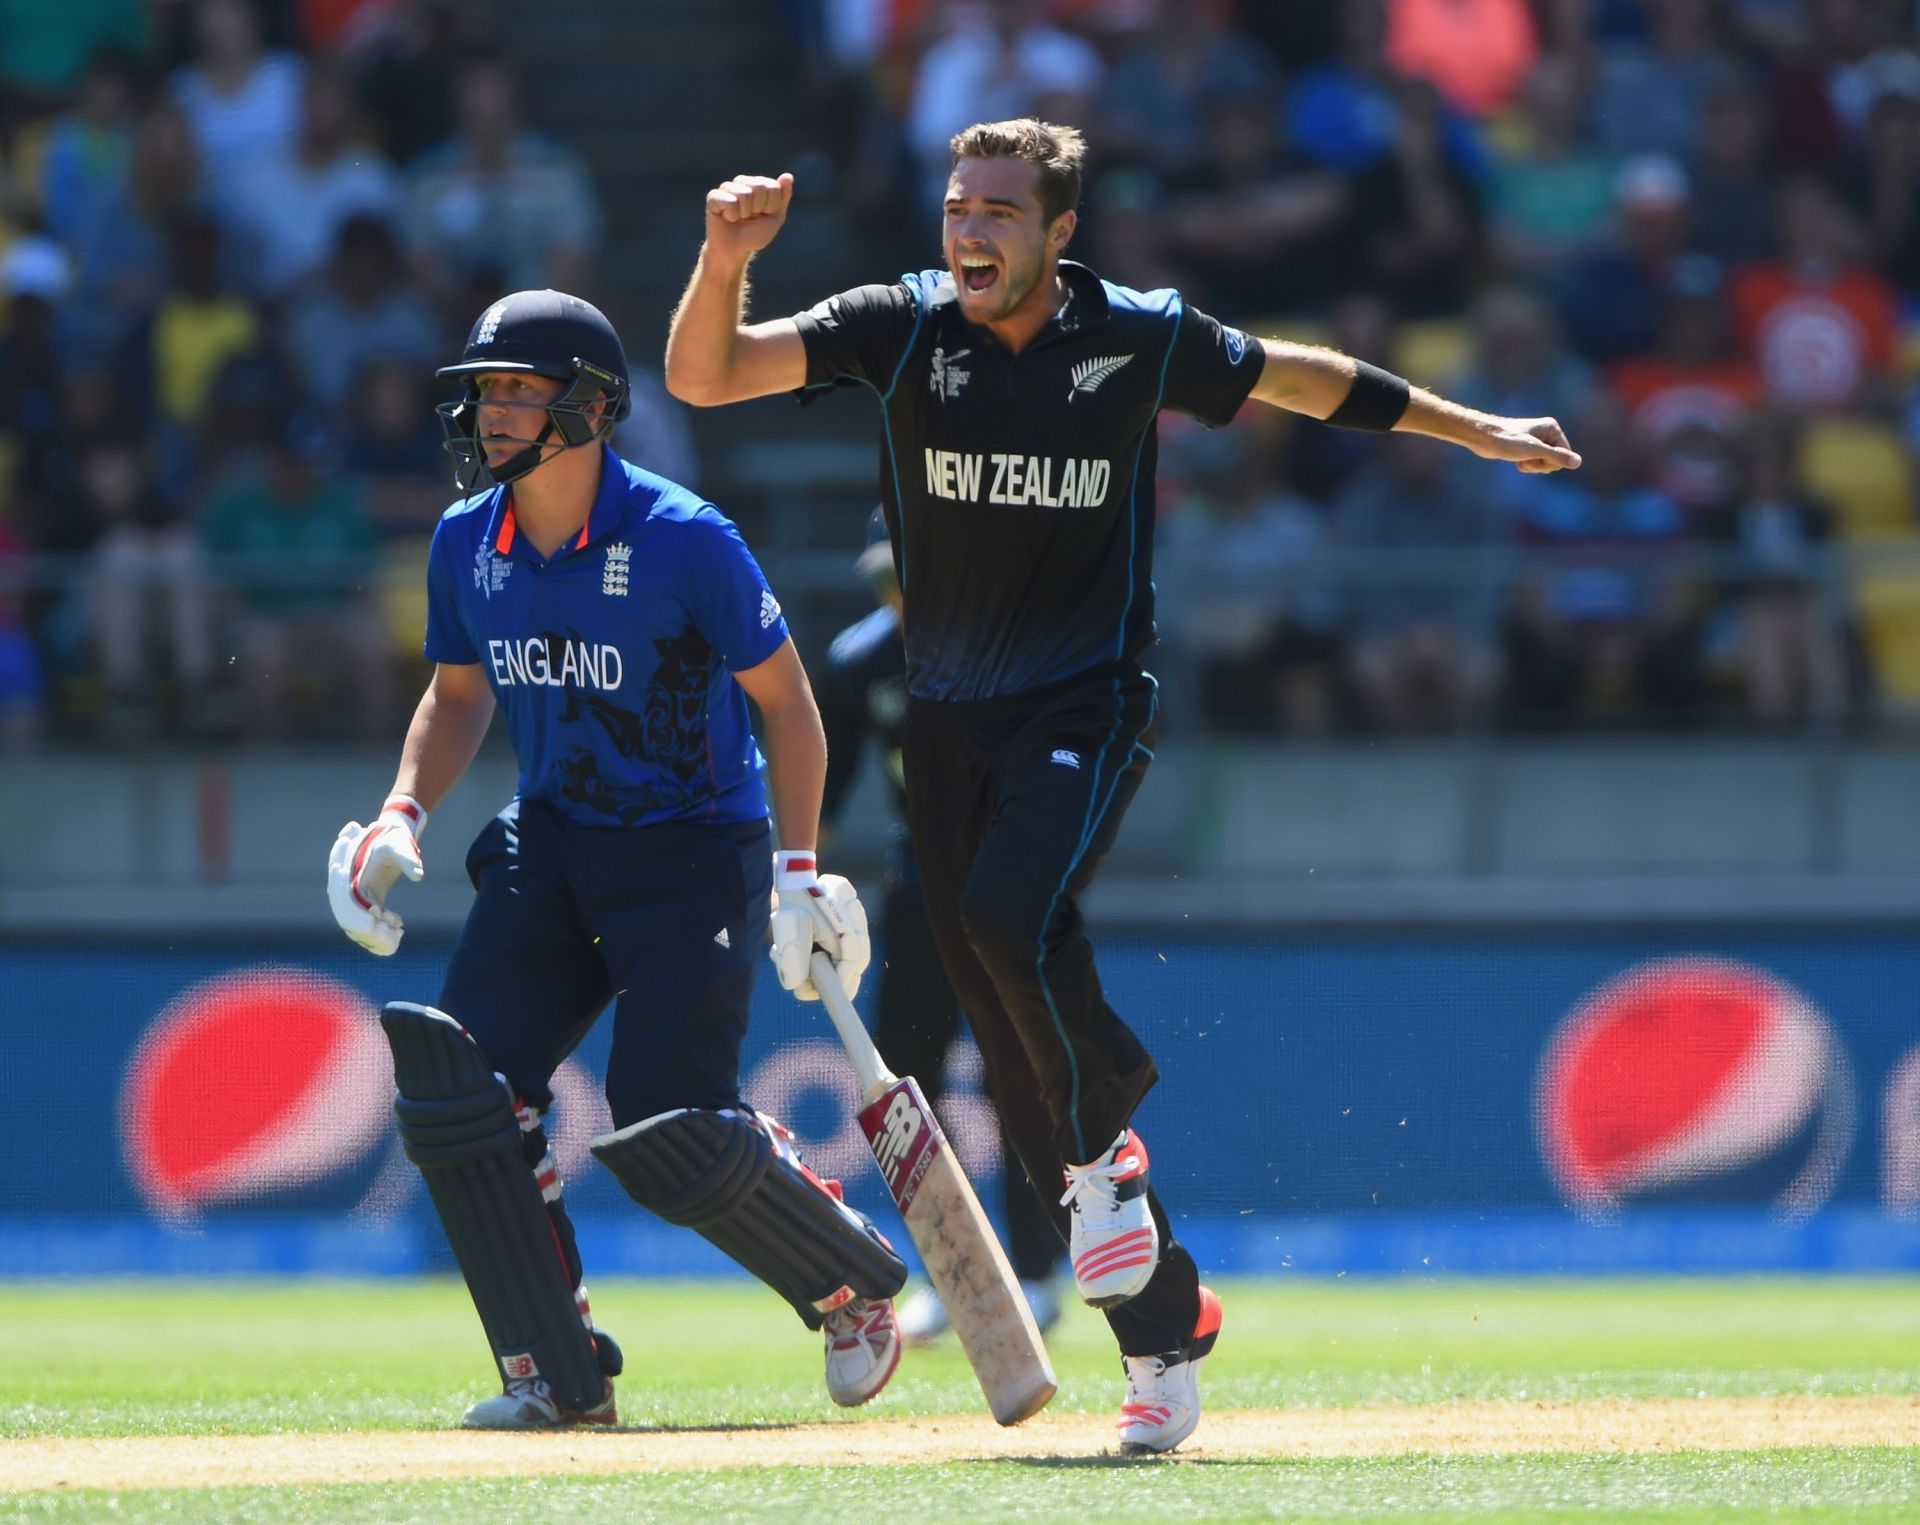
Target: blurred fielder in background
622 624
863 692
1019 393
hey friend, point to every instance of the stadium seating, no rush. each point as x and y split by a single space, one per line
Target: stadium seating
1432 351
1861 469
1888 595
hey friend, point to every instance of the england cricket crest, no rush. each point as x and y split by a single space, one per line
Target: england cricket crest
490 570
904 1137
614 572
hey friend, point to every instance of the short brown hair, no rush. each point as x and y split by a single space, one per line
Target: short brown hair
1057 152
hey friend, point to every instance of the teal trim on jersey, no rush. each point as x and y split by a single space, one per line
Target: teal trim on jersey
886 422
1088 827
920 301
1133 483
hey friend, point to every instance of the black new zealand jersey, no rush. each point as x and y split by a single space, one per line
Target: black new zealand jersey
1019 488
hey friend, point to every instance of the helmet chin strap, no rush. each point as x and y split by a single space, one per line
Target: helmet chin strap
469 447
522 461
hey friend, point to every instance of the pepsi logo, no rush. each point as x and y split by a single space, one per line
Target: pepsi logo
1695 1079
252 1082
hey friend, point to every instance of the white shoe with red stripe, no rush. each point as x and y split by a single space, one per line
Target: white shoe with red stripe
528 1404
1114 1244
863 1350
1163 1392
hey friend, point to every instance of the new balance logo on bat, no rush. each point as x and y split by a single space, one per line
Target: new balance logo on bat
1088 374
897 1132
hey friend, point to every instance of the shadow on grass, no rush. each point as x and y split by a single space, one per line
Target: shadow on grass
1113 1461
735 1427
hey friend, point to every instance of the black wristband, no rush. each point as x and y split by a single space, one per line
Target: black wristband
1375 402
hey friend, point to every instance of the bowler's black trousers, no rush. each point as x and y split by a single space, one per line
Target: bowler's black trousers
1012 805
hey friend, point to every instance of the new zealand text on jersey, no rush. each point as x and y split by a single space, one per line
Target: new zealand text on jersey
1052 482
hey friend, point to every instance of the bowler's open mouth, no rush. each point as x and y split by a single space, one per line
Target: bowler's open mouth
978 272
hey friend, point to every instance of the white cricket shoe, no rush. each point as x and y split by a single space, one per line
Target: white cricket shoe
863 1350
528 1404
1114 1244
1163 1392
924 1318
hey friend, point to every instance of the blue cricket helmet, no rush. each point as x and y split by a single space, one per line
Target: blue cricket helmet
543 333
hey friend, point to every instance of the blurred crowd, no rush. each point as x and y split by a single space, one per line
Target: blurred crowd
1690 229
235 236
235 239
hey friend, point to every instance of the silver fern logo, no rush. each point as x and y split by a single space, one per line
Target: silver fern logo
1088 374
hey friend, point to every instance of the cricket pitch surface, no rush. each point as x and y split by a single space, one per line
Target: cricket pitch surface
1463 1428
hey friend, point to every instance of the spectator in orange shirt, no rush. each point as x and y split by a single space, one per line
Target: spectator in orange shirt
1819 322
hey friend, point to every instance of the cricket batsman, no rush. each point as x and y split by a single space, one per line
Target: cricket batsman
1018 393
621 624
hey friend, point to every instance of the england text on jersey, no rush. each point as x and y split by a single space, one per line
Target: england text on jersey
612 659
533 660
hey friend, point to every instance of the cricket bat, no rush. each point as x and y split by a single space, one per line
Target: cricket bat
963 1257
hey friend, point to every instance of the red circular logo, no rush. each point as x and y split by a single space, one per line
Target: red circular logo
1696 1078
254 1081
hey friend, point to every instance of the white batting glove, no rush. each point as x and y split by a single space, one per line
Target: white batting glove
811 912
366 863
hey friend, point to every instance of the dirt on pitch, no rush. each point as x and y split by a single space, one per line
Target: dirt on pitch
1611 1426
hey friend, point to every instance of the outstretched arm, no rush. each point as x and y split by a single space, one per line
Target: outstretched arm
1328 385
713 354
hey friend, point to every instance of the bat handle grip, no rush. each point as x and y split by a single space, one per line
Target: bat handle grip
868 1066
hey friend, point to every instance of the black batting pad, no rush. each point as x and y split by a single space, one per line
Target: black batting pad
458 1126
720 1174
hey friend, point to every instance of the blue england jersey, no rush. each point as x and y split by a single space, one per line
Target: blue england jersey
613 658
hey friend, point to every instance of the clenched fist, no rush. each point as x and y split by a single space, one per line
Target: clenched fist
1534 445
744 213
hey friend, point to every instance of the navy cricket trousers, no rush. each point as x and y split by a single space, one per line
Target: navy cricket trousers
916 1019
667 922
1012 804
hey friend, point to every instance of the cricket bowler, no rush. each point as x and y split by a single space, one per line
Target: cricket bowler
1018 393
863 693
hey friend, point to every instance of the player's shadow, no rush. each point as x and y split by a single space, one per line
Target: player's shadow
1112 1460
737 1427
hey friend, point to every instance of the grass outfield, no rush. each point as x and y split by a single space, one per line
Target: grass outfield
169 1359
